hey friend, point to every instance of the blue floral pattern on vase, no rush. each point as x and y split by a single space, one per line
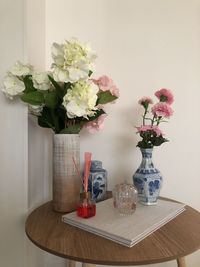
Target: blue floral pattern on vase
147 179
97 180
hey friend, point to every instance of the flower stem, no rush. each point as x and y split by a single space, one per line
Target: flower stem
55 121
153 120
144 116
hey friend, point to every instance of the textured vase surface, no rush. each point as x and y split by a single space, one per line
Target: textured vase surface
147 179
66 183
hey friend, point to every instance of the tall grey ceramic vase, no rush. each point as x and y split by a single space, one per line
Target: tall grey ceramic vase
147 179
66 183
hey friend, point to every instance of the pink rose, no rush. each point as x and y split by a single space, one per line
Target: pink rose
145 100
96 125
162 109
165 95
106 84
154 128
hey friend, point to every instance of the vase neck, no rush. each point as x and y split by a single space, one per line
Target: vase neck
146 153
146 159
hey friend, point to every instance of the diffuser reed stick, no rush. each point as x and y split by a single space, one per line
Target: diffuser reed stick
88 157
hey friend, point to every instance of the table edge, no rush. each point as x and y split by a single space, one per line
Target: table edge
102 262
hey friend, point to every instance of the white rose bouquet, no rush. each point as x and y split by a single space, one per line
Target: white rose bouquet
65 99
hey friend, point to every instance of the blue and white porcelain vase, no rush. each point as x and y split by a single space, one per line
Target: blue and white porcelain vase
97 180
147 179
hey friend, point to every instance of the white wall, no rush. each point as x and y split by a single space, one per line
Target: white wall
144 46
39 139
13 143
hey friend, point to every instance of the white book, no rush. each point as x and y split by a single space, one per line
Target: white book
127 230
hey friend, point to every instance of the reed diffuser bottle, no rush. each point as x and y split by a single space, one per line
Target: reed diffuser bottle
86 206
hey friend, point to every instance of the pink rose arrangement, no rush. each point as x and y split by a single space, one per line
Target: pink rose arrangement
149 131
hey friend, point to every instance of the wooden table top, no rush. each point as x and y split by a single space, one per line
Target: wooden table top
176 239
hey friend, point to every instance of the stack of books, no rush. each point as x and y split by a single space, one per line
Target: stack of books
130 229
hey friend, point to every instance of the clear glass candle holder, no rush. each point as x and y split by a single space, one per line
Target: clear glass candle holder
125 198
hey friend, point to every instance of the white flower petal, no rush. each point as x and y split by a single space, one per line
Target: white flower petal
57 54
74 58
35 109
60 75
41 80
20 69
77 74
80 101
13 86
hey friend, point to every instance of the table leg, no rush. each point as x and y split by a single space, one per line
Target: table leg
71 263
88 265
181 262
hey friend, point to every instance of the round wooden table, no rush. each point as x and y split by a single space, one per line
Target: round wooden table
176 239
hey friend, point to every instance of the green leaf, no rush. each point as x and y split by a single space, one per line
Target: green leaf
66 87
105 97
96 115
74 129
55 120
48 119
90 73
159 140
33 98
45 119
28 84
61 91
52 99
55 84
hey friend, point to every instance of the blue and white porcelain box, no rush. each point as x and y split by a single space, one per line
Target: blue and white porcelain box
97 180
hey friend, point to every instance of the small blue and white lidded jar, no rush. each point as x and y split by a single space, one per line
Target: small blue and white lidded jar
97 180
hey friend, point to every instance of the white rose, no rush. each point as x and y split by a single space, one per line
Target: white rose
80 101
41 80
13 86
20 69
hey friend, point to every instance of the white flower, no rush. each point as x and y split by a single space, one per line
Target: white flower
80 101
60 75
41 80
57 52
72 61
20 69
12 86
35 109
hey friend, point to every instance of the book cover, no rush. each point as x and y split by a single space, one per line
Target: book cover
126 230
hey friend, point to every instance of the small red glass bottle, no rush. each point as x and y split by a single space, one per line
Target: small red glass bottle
86 207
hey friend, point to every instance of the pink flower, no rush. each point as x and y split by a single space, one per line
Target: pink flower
145 100
162 109
106 84
96 125
165 95
154 128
